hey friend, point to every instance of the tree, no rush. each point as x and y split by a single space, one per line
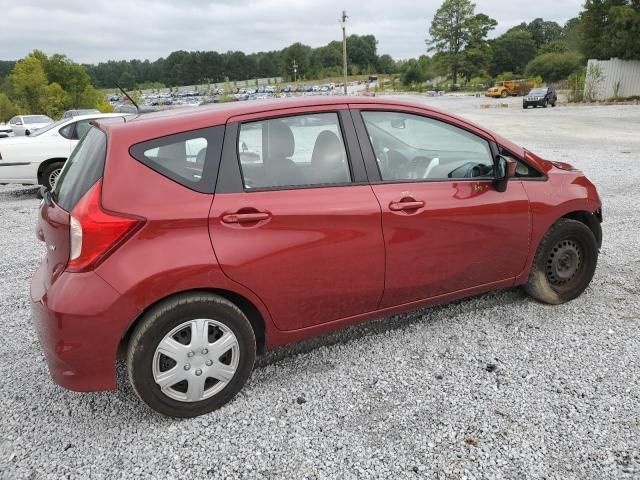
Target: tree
298 53
7 109
554 66
386 64
610 28
541 31
453 27
71 76
56 101
28 84
512 52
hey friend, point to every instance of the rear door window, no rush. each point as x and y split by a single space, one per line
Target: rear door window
83 169
302 150
189 158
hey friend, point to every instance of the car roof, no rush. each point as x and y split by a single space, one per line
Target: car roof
178 120
192 118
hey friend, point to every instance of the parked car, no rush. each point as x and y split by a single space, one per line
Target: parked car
365 209
540 97
6 130
77 113
27 124
38 159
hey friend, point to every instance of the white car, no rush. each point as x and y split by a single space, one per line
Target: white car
37 159
27 124
5 130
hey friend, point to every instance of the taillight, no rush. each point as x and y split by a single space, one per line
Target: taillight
95 233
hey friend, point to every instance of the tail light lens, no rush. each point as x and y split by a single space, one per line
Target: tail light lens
96 233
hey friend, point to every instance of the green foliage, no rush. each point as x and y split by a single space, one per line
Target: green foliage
554 66
610 28
28 84
56 100
413 74
512 52
455 27
50 85
7 108
503 77
542 32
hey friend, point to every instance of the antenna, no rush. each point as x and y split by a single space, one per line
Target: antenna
127 95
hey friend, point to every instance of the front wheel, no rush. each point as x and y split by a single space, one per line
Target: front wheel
51 173
564 264
191 354
503 94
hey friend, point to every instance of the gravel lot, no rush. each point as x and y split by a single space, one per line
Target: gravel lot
498 386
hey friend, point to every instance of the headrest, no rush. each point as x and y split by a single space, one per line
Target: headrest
328 150
281 141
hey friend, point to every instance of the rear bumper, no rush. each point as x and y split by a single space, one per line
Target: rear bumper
80 321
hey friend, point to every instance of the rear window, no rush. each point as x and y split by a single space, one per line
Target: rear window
83 169
190 158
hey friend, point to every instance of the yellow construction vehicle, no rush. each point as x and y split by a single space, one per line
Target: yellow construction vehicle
511 88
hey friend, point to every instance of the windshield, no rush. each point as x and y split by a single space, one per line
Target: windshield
49 127
538 91
37 119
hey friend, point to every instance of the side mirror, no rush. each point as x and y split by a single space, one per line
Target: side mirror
18 123
505 169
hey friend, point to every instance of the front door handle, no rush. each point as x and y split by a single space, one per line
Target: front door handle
245 217
406 205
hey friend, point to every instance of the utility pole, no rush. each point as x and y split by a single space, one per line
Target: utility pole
295 71
344 48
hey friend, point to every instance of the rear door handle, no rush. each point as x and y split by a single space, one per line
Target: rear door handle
245 217
403 206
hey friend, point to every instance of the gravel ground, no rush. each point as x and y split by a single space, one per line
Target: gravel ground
497 386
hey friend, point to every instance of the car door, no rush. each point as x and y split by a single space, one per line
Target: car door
294 218
446 227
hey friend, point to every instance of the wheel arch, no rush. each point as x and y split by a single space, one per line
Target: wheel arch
245 305
43 165
591 220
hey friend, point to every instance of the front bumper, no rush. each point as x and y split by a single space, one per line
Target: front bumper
80 320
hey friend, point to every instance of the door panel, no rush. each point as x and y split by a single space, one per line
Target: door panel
294 221
446 228
311 255
467 234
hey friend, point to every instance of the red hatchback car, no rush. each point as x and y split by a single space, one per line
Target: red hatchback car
194 239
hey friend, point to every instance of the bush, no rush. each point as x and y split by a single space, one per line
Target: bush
554 66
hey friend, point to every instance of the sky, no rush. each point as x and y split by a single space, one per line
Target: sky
90 31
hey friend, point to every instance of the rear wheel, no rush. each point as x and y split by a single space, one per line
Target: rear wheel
564 263
51 173
191 354
503 94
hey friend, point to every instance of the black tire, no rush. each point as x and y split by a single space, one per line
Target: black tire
48 173
161 320
524 106
503 94
564 264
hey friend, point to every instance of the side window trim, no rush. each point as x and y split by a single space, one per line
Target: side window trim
214 136
230 177
371 163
